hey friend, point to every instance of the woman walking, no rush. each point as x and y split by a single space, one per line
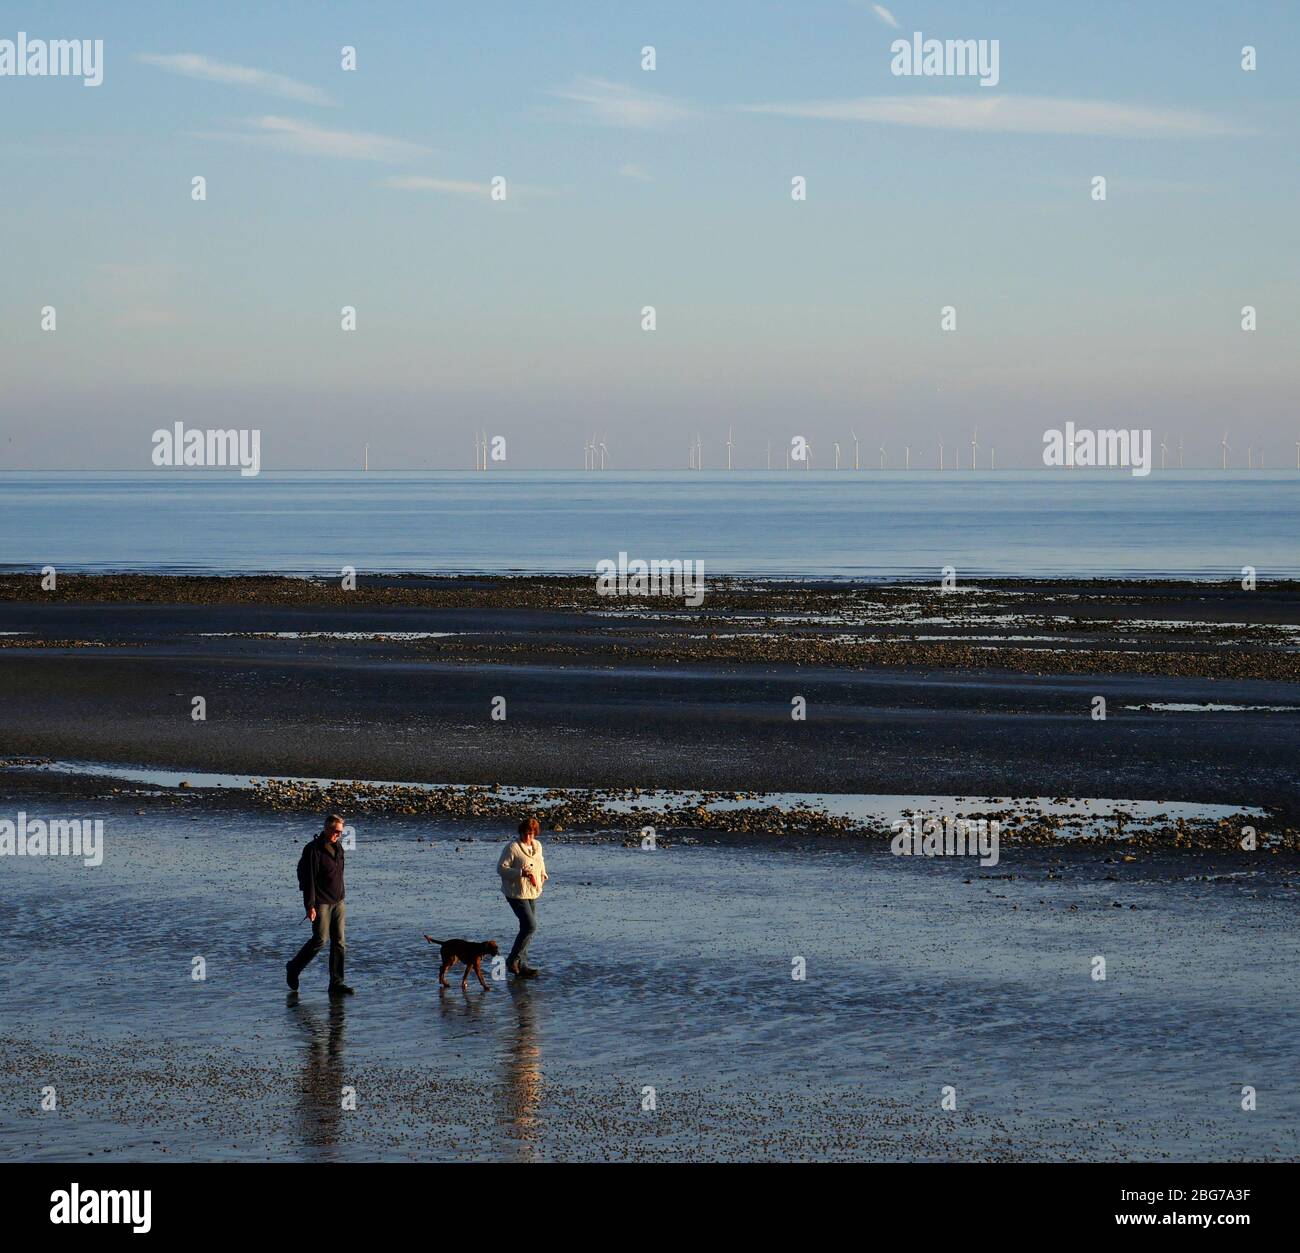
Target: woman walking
523 872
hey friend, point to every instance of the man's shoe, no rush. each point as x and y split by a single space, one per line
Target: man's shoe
290 978
341 989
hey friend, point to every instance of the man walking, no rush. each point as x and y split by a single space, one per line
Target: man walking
320 876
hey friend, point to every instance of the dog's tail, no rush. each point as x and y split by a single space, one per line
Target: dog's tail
433 941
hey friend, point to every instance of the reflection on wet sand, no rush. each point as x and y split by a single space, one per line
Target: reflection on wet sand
466 1004
320 1089
520 1089
748 1062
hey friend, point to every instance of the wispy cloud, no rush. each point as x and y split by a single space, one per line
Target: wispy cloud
291 135
885 15
195 65
1041 115
514 192
612 104
421 182
630 170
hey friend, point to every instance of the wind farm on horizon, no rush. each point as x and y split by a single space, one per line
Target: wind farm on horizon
800 453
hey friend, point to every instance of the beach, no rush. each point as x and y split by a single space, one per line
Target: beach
989 690
1162 838
667 966
666 970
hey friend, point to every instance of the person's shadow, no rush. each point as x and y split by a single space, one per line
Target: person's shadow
520 1092
321 1082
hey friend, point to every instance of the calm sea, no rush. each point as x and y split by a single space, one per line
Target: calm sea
895 523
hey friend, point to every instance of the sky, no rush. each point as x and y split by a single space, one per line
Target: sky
627 188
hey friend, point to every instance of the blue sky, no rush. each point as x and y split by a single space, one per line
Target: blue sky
629 188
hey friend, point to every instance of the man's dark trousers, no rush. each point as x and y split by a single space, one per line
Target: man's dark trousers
329 922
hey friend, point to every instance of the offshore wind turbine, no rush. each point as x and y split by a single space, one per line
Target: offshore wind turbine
837 455
940 452
882 456
729 431
769 454
1180 452
1164 447
365 460
973 446
1226 450
907 456
992 450
604 452
854 434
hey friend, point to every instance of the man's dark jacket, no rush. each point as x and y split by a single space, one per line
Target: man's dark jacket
324 873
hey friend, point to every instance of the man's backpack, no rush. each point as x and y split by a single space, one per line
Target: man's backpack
304 868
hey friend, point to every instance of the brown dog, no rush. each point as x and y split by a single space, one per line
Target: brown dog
466 951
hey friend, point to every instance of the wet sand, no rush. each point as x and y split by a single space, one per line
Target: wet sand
988 691
668 969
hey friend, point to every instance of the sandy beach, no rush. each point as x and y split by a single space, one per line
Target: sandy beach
667 970
987 692
661 970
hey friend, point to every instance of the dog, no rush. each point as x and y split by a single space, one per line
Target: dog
466 951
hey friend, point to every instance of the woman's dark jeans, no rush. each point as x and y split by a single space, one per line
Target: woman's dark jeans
526 912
